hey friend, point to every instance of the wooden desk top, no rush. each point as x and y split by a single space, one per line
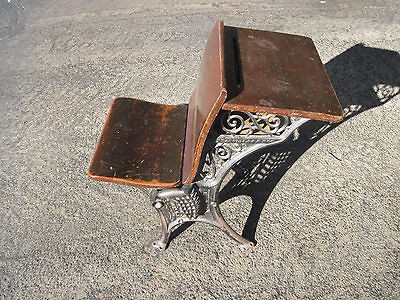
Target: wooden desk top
271 72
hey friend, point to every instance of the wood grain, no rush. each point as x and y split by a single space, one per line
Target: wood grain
141 144
205 103
278 73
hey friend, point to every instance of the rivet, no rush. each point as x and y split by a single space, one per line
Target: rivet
159 204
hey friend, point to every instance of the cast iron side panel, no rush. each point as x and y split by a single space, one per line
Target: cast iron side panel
205 102
282 74
141 144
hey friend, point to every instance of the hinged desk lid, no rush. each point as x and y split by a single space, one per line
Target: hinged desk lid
277 73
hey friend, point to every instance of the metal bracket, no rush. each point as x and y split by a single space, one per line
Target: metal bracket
242 133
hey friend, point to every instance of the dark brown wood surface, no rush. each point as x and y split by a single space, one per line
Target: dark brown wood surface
278 73
205 103
155 145
141 144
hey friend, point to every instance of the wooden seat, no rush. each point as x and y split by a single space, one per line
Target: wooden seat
141 144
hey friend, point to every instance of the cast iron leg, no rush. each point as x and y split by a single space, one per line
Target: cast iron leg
188 204
220 221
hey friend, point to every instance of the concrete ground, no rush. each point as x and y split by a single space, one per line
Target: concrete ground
326 222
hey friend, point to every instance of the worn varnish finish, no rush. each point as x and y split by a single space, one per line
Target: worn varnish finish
278 73
155 145
205 103
141 144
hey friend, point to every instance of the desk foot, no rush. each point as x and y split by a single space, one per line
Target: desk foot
188 204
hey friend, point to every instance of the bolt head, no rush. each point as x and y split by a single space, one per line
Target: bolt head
158 204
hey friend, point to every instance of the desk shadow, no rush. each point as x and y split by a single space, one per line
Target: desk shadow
363 78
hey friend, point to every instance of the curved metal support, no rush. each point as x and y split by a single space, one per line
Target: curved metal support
221 223
244 133
231 148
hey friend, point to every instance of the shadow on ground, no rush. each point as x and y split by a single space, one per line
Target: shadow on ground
363 78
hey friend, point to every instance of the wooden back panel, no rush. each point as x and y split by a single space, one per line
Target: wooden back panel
205 102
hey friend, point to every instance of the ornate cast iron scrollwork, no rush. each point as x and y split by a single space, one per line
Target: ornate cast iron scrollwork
221 153
247 123
244 130
240 134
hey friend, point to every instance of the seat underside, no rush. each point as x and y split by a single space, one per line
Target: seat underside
141 144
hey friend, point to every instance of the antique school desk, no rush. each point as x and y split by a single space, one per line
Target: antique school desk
253 90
